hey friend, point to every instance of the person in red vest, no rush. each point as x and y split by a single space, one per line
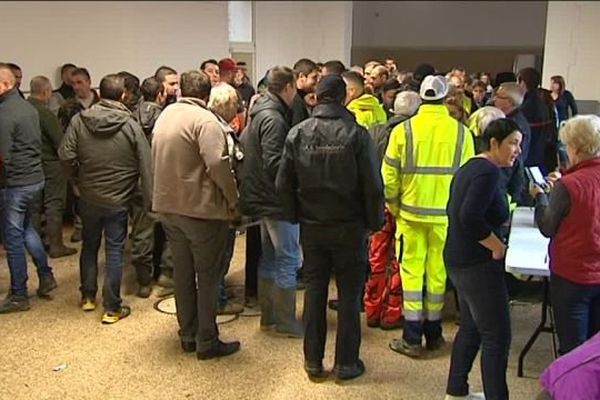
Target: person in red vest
571 218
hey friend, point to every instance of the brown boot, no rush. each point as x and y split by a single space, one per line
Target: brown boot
54 231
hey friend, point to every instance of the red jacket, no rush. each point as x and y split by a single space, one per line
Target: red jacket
575 250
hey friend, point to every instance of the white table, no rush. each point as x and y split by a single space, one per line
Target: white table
527 254
527 251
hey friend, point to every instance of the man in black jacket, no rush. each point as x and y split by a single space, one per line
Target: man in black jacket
307 73
280 259
329 182
21 181
537 115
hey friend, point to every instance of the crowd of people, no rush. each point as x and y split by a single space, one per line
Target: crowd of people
391 181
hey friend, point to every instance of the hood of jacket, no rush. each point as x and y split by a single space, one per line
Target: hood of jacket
366 102
105 117
332 110
147 113
270 101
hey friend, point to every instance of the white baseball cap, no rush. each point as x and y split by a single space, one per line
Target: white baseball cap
433 87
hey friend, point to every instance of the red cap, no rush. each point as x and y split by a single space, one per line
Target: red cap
227 64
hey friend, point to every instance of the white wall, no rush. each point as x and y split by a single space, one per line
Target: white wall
240 21
572 49
108 37
449 24
286 31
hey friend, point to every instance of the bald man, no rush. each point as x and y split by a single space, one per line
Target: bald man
52 202
22 179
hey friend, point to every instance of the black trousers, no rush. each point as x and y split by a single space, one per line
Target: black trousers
253 251
341 251
198 248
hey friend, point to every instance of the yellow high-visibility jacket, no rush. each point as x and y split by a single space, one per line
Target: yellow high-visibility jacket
368 111
422 156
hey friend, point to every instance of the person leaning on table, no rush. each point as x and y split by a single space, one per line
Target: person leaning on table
477 209
571 218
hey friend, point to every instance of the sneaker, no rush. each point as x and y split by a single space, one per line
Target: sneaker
110 317
144 291
47 284
470 396
315 371
433 345
345 373
88 304
230 308
14 303
221 349
403 347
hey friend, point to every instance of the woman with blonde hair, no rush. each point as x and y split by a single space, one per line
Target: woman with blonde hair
571 218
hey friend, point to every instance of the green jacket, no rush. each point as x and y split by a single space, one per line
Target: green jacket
52 133
111 153
368 111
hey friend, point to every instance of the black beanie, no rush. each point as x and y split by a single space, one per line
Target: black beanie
331 89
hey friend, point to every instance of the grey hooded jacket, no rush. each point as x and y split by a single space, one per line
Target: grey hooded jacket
111 154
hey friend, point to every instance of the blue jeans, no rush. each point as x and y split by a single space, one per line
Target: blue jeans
19 234
485 323
576 311
280 259
113 222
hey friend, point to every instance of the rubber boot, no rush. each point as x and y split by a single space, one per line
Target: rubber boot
54 230
285 313
265 300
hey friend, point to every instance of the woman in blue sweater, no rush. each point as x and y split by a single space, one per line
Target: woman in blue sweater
474 256
563 99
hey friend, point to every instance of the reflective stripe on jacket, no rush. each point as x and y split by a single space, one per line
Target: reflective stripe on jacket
422 156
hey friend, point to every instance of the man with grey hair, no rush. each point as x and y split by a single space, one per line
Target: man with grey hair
508 98
53 199
383 290
196 196
21 180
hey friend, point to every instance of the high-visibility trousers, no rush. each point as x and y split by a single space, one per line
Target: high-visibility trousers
422 261
383 290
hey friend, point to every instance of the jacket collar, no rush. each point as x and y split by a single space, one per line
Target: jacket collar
9 94
513 113
115 105
433 109
33 100
275 97
592 162
332 110
193 101
396 119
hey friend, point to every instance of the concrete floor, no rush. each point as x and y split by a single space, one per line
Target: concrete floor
140 357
